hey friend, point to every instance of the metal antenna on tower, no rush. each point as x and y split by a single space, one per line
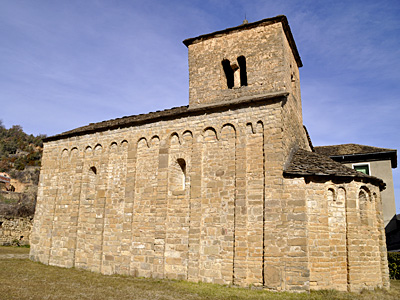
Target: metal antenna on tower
245 19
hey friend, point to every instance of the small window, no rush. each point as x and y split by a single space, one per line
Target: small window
363 168
93 170
243 73
177 178
235 73
226 64
182 164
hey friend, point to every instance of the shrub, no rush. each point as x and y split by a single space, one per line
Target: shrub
394 265
21 206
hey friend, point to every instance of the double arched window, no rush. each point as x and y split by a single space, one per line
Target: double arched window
235 73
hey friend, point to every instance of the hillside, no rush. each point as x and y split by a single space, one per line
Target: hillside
20 158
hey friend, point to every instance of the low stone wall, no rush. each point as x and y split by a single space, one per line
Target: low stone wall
15 230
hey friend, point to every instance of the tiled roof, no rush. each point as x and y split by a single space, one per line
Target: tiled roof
305 163
168 114
121 122
349 149
4 179
357 153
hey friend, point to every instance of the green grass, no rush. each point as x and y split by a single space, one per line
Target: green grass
14 250
7 200
24 279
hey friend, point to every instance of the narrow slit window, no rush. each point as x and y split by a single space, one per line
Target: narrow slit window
93 170
243 72
226 64
177 177
182 165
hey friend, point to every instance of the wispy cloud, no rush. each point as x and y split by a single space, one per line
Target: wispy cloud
67 63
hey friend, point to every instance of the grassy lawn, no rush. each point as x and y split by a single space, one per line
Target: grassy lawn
14 250
24 279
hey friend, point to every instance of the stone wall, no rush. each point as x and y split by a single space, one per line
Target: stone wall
201 195
204 198
121 203
383 169
266 67
15 230
346 239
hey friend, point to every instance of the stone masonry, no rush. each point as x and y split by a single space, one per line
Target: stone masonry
15 230
226 190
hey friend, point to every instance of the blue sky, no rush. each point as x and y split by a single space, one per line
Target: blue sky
65 64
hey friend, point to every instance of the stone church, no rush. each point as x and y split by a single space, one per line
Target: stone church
225 190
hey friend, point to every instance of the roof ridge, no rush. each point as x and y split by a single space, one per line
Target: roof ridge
346 144
307 163
174 112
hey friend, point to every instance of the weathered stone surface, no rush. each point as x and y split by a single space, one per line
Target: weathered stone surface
200 193
15 230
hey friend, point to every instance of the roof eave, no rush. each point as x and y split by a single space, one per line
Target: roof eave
169 114
392 155
371 179
267 21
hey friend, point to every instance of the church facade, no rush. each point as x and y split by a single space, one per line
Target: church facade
225 190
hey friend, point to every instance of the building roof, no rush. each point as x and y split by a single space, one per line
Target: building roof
305 163
168 114
5 179
120 123
357 152
246 26
308 139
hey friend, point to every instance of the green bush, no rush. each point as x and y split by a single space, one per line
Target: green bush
394 265
18 149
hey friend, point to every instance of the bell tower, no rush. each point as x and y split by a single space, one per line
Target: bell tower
253 59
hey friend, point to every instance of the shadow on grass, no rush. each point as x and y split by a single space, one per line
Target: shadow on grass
14 250
24 279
